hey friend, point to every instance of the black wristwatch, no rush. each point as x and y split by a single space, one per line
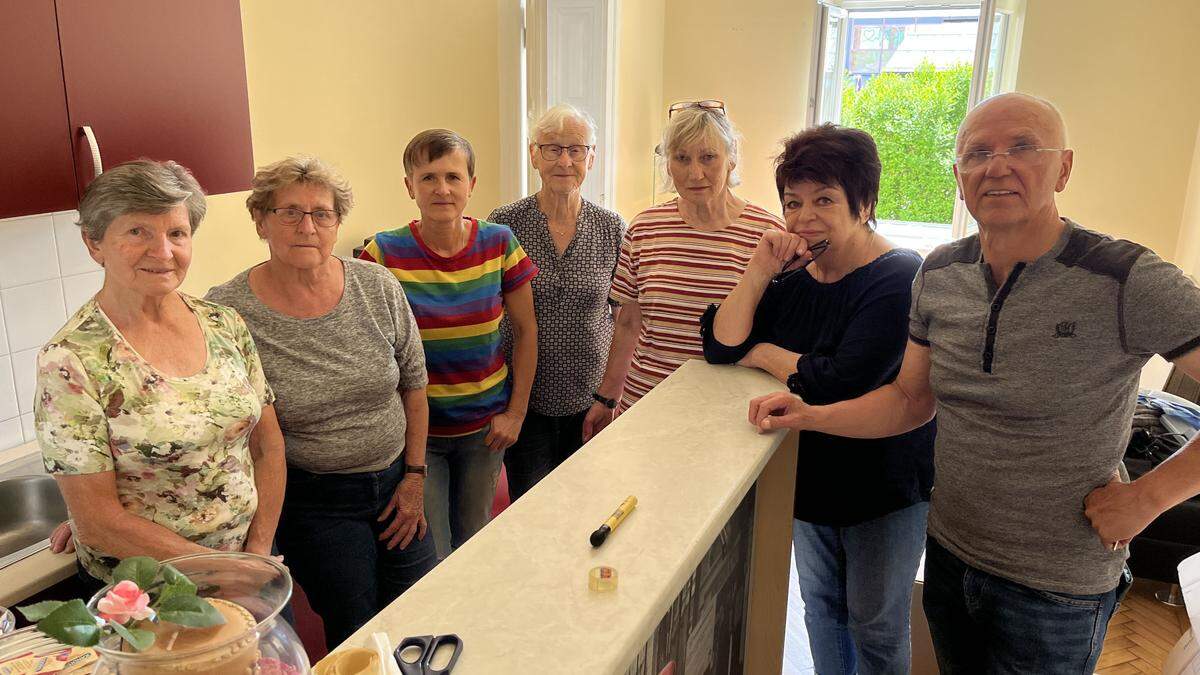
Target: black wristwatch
422 469
609 403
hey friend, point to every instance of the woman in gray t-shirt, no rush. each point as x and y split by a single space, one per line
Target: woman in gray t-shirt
341 349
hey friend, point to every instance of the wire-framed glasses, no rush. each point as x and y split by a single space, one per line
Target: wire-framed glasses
1021 155
708 104
552 151
291 217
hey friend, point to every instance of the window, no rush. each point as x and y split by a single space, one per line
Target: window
907 72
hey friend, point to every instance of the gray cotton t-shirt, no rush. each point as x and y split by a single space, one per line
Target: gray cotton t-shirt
1036 382
337 378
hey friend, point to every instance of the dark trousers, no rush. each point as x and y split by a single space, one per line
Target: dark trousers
544 443
328 533
981 623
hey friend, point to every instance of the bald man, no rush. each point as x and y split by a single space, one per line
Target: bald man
1027 340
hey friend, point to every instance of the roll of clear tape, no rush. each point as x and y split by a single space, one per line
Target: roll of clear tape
602 578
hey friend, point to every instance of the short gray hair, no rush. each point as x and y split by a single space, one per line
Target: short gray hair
297 169
140 186
553 120
693 124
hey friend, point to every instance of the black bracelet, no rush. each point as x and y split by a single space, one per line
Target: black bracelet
609 403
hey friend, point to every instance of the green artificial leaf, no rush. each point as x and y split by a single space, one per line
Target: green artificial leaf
138 638
71 624
172 575
141 570
40 610
189 610
175 589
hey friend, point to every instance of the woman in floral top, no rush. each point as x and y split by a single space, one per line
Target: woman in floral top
152 410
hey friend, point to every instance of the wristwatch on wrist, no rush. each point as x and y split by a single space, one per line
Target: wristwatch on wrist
609 403
421 469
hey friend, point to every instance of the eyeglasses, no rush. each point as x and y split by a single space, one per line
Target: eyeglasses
710 104
1021 155
552 151
788 271
320 217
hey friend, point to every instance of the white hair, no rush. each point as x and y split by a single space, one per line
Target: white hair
690 125
553 120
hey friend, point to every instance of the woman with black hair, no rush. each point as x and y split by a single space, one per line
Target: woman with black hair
823 307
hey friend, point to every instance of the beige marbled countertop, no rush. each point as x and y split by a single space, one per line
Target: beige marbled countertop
29 575
517 592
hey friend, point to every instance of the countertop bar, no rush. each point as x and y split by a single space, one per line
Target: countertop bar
517 592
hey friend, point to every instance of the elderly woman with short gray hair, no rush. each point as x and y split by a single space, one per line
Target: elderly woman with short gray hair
152 410
341 348
575 244
678 257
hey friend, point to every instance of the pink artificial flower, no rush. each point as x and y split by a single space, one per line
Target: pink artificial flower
124 602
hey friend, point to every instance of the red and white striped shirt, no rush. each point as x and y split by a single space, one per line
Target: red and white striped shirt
674 271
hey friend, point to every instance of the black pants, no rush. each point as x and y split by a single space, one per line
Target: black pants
544 443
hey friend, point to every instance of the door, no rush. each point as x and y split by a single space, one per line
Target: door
36 174
164 79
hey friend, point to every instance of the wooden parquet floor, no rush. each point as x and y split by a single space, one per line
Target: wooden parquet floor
1141 633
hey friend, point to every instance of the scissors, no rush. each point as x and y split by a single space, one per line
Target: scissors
816 250
428 645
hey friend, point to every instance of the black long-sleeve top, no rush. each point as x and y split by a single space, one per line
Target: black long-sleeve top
851 335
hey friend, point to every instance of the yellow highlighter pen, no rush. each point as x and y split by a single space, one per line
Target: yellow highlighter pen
613 521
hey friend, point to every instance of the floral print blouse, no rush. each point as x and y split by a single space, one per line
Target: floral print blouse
179 446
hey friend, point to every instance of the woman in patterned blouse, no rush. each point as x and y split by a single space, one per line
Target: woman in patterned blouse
678 258
575 245
152 410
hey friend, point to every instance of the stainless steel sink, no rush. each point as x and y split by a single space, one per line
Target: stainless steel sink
30 508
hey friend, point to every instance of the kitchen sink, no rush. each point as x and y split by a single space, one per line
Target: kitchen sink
30 508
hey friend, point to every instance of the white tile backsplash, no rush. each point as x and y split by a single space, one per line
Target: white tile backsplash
10 433
45 274
24 365
34 313
80 288
27 250
27 429
73 256
8 390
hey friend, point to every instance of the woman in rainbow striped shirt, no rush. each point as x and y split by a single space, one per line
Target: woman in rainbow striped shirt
461 275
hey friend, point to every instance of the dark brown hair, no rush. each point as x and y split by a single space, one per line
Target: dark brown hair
833 155
432 144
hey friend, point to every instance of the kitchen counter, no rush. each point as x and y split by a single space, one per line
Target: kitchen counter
35 573
517 592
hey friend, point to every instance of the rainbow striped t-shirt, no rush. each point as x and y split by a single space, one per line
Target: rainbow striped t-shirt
458 302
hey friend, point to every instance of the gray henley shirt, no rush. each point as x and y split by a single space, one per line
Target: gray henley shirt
337 378
1036 383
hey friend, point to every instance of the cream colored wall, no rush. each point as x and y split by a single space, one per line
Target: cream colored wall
353 84
1123 74
1187 254
640 109
755 56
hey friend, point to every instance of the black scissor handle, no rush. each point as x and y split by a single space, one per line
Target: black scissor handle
414 667
438 641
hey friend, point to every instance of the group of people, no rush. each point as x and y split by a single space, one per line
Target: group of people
354 414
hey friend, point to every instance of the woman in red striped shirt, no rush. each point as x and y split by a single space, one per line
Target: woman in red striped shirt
678 258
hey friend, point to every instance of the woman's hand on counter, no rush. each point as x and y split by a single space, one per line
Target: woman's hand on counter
781 410
407 509
62 539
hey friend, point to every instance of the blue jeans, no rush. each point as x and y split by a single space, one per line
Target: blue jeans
857 583
460 488
981 623
328 534
544 443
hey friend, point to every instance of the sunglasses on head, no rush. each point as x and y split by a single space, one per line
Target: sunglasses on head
709 104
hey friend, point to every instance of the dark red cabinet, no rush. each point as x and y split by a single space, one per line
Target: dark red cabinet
36 174
164 79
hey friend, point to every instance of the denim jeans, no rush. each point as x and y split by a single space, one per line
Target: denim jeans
981 623
460 488
857 584
328 534
544 443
